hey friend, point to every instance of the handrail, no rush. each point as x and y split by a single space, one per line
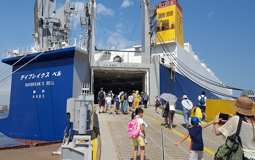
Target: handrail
32 49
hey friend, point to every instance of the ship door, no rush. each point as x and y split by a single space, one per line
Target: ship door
119 80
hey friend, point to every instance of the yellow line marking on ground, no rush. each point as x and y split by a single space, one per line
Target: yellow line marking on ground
206 149
94 141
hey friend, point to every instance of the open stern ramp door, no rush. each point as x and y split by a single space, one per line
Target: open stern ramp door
120 79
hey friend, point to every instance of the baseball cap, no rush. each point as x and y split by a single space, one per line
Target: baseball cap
195 120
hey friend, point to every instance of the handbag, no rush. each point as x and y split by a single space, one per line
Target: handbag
232 149
165 114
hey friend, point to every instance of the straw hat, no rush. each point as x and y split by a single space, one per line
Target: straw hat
244 106
184 97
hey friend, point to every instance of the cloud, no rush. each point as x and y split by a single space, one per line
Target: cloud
75 20
116 39
210 15
126 3
119 25
101 9
79 7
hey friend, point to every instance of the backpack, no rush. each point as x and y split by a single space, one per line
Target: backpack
157 102
232 149
202 100
101 95
133 129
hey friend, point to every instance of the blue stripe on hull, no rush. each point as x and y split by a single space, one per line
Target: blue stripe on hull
181 86
39 112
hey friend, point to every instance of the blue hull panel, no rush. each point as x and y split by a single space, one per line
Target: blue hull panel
181 86
39 93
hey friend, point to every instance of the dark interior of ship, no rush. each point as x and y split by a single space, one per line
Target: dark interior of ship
117 81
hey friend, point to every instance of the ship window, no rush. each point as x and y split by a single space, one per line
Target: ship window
161 15
117 59
172 26
165 25
169 13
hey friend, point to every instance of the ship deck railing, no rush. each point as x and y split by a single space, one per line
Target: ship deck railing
8 53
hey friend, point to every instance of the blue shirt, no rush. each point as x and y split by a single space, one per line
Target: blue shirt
117 102
196 138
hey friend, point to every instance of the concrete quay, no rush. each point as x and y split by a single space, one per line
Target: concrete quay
116 144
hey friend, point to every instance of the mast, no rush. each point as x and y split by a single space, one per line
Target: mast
51 27
146 20
91 30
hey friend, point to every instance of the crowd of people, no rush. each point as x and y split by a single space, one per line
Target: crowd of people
242 122
122 102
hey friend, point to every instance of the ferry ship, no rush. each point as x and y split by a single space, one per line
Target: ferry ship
54 69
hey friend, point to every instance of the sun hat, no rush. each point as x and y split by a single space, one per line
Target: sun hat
244 106
184 97
195 120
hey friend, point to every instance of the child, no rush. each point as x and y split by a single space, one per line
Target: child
117 104
195 134
198 112
139 140
157 103
108 102
145 125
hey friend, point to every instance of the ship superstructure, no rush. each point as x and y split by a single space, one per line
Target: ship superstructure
56 68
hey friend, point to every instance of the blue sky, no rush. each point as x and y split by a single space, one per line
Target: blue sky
221 33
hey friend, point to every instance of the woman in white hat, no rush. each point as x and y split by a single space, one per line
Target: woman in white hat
244 110
187 106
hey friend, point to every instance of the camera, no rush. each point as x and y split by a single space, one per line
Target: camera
224 118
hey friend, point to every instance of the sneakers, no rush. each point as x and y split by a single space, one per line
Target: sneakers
158 113
110 113
99 112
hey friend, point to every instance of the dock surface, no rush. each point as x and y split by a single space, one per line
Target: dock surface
117 146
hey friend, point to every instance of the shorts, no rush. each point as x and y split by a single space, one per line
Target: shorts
109 104
196 155
138 141
101 102
117 107
157 105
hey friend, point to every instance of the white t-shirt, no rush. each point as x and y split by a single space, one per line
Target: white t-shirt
140 121
171 106
130 99
246 135
199 97
108 99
